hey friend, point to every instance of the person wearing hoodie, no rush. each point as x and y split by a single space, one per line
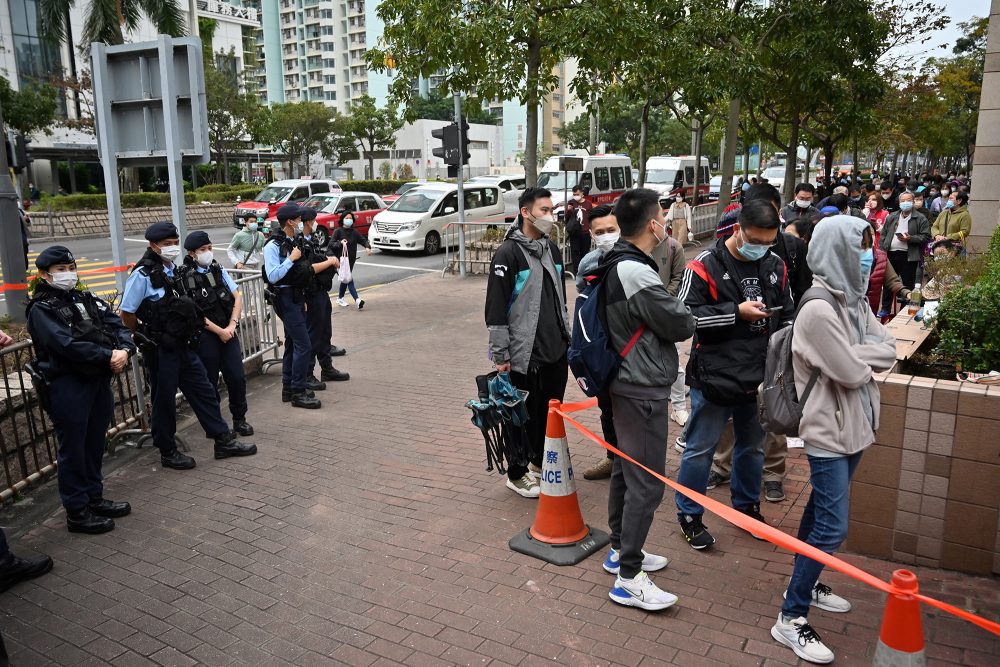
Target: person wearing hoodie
636 300
845 345
528 325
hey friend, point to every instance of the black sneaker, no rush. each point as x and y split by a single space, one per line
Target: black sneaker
312 384
14 570
753 511
243 428
695 532
715 479
773 493
331 374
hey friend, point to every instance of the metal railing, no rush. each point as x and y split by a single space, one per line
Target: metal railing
704 221
479 254
28 442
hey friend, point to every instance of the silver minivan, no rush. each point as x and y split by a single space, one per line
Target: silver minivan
421 219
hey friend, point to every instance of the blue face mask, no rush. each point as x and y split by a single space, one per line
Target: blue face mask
300 226
752 251
905 205
252 226
348 222
867 259
949 204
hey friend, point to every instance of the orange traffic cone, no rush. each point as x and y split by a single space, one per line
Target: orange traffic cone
901 641
558 535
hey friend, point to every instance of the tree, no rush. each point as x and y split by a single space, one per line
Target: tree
29 110
232 112
300 129
374 129
442 107
108 21
80 89
621 127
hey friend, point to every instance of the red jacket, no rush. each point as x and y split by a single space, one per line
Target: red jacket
876 280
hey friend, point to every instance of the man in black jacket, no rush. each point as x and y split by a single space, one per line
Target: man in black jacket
739 293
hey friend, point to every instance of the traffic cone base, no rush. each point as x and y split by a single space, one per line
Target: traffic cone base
558 535
890 657
901 640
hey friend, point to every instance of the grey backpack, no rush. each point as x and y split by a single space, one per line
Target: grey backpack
778 404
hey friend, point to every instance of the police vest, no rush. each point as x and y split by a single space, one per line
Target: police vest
301 274
172 320
322 281
83 314
208 290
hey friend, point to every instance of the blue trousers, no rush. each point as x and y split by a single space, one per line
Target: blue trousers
227 358
824 525
704 428
348 286
82 409
319 322
298 347
181 369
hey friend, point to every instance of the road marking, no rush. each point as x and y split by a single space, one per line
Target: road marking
395 266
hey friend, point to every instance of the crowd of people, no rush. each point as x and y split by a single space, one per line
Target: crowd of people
729 300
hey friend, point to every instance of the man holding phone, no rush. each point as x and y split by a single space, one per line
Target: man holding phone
903 238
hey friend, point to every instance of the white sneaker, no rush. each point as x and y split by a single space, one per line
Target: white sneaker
650 562
680 444
534 471
824 598
342 303
799 636
679 416
526 486
361 304
641 592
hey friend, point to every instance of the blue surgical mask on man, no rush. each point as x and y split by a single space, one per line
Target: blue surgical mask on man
867 259
905 206
949 204
253 226
752 251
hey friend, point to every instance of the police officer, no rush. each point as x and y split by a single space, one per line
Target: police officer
219 300
289 271
319 310
80 343
171 319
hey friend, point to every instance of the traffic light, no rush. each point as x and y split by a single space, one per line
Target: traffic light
465 142
17 152
449 151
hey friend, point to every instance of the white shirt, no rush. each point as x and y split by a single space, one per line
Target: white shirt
903 227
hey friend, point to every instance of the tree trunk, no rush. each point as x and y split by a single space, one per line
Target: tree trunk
531 123
225 168
806 169
746 166
696 186
371 166
854 158
592 117
892 167
643 138
792 160
729 158
828 147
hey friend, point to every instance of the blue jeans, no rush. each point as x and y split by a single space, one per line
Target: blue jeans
348 286
824 525
704 428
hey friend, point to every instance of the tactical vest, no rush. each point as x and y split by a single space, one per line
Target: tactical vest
208 290
322 281
83 314
301 274
172 320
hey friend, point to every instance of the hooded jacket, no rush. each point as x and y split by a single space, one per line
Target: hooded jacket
842 413
514 295
635 294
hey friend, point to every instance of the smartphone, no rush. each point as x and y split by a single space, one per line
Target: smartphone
773 309
901 235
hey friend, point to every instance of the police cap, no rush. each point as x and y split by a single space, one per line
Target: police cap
196 240
289 211
52 255
308 213
158 231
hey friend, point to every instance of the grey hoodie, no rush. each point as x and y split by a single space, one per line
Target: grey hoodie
842 412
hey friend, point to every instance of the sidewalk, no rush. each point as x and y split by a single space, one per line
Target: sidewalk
368 533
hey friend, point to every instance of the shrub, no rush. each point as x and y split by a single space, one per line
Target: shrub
378 186
406 172
220 187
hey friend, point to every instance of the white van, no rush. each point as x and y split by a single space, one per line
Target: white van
416 221
607 176
670 175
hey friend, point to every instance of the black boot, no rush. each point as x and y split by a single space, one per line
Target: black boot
314 385
337 351
243 428
85 521
333 375
227 445
109 508
304 400
287 393
176 460
14 570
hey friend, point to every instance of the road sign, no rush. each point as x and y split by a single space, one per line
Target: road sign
570 164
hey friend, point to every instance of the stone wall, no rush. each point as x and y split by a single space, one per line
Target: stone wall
95 223
984 204
928 491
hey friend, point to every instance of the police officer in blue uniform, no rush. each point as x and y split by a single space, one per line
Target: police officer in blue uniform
319 310
171 320
288 271
80 344
220 302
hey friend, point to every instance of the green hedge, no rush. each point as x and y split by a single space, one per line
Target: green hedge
378 186
221 187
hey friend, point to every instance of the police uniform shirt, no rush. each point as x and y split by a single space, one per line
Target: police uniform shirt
138 288
274 265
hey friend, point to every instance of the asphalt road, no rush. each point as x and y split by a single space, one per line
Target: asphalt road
95 254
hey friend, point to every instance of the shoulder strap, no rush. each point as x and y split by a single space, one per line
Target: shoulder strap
812 294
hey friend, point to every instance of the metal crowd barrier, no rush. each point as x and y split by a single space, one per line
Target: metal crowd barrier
28 442
704 221
479 256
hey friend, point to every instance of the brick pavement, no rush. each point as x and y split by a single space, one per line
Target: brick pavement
367 533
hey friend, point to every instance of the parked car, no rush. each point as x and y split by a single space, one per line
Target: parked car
715 185
510 186
401 190
270 199
417 220
330 207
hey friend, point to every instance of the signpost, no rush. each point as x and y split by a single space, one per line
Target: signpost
12 259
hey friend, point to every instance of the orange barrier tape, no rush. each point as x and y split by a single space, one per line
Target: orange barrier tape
12 286
105 269
772 534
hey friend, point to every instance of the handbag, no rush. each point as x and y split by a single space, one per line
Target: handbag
345 266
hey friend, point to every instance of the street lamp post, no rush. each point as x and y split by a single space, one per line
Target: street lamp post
11 245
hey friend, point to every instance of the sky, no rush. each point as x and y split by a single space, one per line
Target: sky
960 10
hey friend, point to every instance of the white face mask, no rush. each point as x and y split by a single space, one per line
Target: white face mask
679 200
606 241
170 252
64 280
300 226
544 225
801 203
204 258
660 241
578 197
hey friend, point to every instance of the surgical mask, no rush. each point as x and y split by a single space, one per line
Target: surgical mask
679 199
752 251
886 195
867 259
660 241
905 206
348 222
64 280
170 252
204 258
945 193
606 241
949 204
544 225
300 226
252 226
578 197
801 203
